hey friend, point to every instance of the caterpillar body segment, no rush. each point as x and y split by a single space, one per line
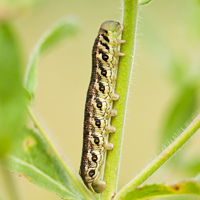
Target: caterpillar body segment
98 108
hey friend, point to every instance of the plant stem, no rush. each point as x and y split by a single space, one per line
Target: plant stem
11 187
130 12
72 174
162 158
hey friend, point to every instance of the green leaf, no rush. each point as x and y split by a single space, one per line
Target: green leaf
182 109
190 165
27 95
143 2
162 190
65 28
178 71
11 95
32 158
193 22
197 178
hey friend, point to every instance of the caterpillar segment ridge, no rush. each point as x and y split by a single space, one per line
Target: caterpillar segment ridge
98 107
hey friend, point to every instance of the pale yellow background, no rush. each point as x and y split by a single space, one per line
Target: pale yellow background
64 74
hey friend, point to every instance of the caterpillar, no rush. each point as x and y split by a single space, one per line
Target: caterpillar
98 108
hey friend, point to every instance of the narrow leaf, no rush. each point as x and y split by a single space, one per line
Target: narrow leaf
11 101
197 178
32 159
143 2
162 190
61 30
182 109
189 166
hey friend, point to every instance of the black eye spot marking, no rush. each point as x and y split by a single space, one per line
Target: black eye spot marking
98 123
96 140
99 104
101 87
91 173
105 31
105 56
105 38
94 157
104 72
105 45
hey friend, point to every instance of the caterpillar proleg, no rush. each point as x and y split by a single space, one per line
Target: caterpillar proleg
98 108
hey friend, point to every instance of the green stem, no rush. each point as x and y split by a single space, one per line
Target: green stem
73 175
130 13
161 159
10 185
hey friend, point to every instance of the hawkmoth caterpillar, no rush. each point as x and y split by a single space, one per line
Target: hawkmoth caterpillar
98 108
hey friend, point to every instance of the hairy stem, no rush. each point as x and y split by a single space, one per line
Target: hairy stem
73 175
130 12
162 158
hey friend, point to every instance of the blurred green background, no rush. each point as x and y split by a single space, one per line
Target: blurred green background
164 95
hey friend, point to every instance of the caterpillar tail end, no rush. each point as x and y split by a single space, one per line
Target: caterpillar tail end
99 186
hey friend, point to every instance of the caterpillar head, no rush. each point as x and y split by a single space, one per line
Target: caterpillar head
99 186
93 180
111 27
